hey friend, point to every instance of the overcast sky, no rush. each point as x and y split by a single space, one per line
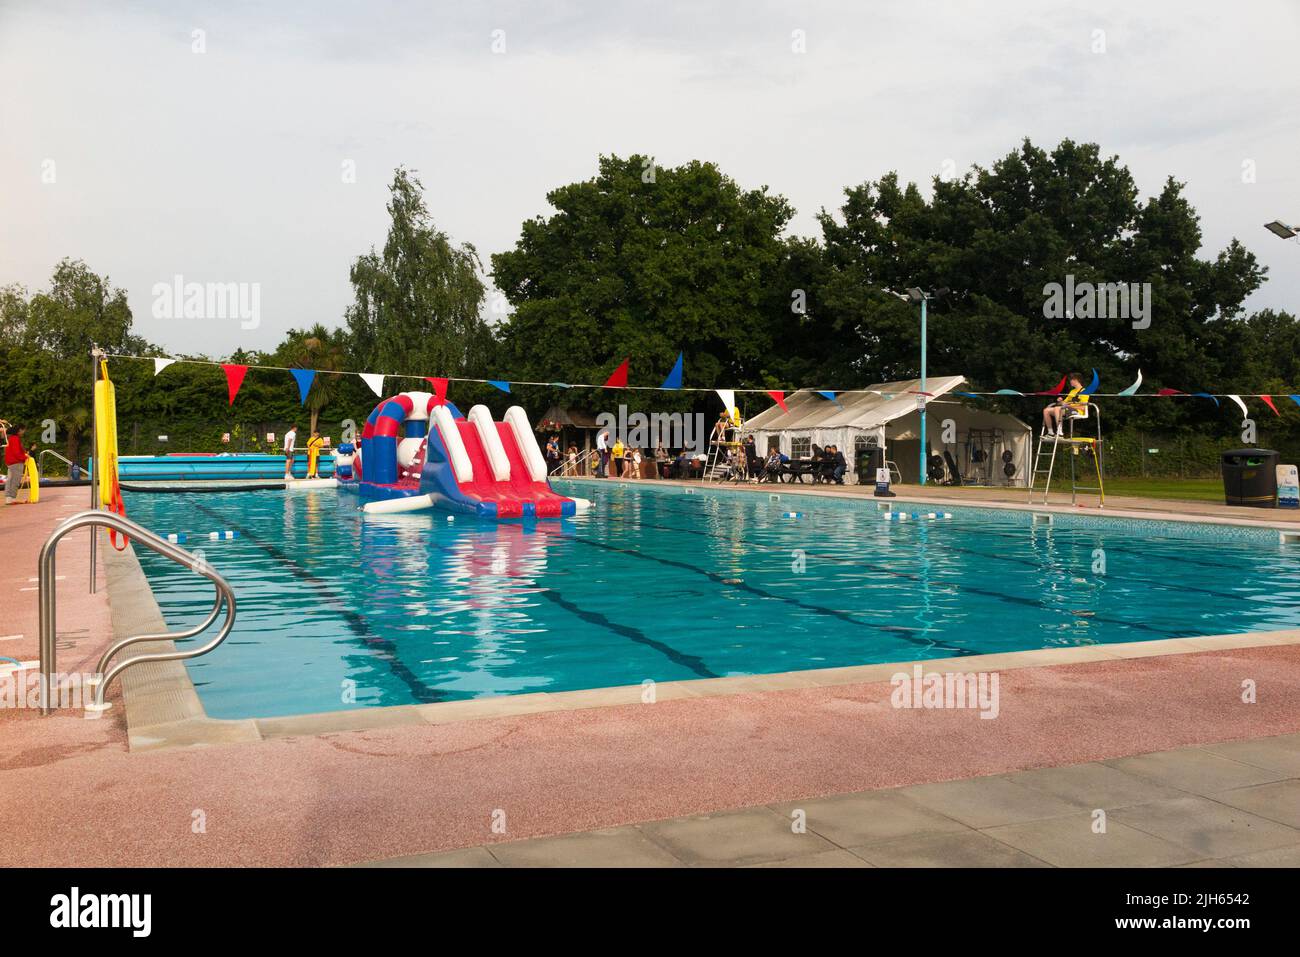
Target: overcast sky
228 165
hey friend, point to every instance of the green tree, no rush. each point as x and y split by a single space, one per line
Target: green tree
647 262
996 237
79 308
418 302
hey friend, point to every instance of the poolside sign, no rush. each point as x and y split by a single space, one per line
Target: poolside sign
1288 487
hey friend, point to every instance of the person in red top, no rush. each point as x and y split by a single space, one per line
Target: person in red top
16 460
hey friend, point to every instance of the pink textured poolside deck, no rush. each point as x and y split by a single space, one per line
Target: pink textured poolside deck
72 794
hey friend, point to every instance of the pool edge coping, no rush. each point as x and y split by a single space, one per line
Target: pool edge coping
164 710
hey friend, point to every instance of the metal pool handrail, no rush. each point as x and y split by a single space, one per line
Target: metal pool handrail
136 531
40 462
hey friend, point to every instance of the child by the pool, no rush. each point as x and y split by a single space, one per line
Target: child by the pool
290 438
1054 414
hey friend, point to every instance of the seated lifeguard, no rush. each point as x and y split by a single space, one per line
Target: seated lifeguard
1073 401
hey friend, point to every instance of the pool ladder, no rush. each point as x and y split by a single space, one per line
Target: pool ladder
95 519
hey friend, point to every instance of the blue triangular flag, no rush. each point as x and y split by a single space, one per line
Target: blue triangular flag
1092 386
969 395
1008 392
827 395
455 412
1295 399
499 384
304 377
1205 395
674 380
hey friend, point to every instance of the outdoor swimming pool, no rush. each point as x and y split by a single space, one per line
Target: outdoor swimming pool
655 583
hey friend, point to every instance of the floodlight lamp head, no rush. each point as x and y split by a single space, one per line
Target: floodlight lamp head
1282 230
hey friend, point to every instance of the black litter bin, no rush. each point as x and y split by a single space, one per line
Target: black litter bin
1250 477
869 459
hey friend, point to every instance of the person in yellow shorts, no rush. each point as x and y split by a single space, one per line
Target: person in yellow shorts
314 446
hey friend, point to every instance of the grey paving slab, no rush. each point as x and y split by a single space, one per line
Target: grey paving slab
836 858
989 801
612 847
1207 827
1194 770
1094 785
868 818
751 836
1071 842
1279 801
1275 857
952 849
1275 754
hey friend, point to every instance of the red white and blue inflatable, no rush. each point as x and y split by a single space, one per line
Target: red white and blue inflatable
416 454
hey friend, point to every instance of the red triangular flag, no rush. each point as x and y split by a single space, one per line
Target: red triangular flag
619 379
439 389
779 396
1268 401
1060 387
1170 392
234 379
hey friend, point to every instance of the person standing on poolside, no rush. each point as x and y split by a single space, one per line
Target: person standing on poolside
602 448
16 460
290 438
314 446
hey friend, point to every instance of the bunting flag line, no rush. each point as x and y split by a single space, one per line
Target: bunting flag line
1245 412
304 378
439 389
674 380
618 380
234 379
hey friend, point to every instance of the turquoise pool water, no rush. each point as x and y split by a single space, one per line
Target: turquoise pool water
337 611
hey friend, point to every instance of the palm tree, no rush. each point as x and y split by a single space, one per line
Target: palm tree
323 350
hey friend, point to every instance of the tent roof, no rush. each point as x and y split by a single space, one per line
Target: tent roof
864 409
563 416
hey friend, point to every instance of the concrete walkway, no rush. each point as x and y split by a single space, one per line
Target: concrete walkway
1224 805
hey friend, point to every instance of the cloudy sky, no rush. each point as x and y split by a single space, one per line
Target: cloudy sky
122 145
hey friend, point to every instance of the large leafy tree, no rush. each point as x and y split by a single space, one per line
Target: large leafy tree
418 305
49 364
647 262
996 237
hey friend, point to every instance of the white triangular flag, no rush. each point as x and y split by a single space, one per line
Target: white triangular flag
160 364
1245 413
376 382
728 397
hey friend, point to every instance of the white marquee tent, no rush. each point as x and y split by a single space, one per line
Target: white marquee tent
886 415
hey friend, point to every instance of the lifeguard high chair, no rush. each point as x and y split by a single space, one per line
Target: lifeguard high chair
1076 446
